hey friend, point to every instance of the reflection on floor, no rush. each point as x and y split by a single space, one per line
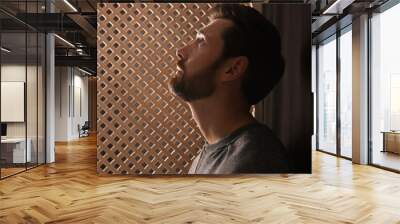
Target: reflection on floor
70 191
11 169
346 152
386 159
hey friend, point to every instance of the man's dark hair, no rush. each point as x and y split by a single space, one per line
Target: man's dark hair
256 38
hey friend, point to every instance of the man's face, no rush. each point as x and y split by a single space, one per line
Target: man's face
199 61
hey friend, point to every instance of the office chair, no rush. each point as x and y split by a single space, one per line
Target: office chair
84 130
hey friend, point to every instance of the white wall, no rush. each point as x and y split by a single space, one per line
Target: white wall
81 114
16 73
70 83
62 81
33 126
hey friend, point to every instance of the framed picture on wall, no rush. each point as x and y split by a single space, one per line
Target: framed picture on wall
12 101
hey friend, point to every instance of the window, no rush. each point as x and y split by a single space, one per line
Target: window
385 88
346 92
327 95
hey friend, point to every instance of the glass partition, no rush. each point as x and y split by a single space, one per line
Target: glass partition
13 105
22 88
385 89
41 96
327 95
346 93
31 99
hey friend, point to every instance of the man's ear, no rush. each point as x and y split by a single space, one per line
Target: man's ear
235 68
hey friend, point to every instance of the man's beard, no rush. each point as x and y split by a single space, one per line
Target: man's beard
198 86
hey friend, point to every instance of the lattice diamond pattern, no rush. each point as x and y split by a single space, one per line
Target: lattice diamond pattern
142 127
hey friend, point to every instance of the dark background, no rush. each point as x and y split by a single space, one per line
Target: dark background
288 110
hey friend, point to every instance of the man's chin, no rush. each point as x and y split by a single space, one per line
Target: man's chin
174 83
180 95
175 89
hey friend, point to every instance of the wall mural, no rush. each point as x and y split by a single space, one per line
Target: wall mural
142 127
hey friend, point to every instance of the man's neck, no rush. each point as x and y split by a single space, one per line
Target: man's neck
217 121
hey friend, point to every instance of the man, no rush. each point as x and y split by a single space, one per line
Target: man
233 63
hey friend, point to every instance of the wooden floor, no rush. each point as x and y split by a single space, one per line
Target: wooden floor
70 191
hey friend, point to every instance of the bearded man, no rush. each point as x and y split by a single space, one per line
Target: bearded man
232 64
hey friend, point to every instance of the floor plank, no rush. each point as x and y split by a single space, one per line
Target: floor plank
70 191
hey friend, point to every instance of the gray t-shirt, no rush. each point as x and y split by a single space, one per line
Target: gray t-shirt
252 148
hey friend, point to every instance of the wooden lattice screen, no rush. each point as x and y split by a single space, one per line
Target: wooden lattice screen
142 127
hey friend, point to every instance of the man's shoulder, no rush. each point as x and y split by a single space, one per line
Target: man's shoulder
257 149
258 137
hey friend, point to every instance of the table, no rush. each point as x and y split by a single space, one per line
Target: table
391 141
13 150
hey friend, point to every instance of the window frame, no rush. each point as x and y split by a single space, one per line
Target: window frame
333 37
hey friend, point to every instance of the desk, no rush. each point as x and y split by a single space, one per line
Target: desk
391 141
13 150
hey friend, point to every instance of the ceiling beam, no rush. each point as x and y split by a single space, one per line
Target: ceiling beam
90 31
82 61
